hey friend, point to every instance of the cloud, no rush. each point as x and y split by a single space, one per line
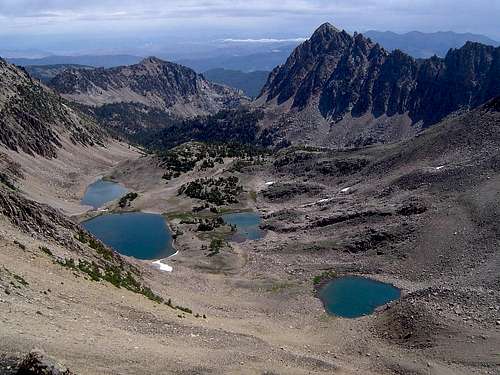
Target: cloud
265 40
236 8
273 18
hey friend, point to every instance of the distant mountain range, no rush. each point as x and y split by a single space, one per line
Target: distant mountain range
347 90
424 45
336 89
266 58
250 83
97 61
264 61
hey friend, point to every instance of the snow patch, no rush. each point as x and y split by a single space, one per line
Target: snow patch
162 266
439 168
325 200
346 190
270 183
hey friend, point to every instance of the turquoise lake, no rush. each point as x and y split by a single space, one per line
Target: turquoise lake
353 297
136 234
247 226
101 192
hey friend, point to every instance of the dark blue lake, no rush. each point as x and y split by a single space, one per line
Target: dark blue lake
247 225
353 297
101 192
136 234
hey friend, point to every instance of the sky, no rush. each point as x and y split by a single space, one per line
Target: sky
105 25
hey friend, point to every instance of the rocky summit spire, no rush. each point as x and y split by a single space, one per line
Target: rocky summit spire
325 28
340 75
327 34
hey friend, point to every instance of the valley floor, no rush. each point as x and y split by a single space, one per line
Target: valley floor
261 313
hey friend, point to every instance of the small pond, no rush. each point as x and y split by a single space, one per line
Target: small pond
136 234
353 296
101 192
247 226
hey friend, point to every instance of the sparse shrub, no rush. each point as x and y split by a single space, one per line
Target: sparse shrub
326 275
21 246
215 246
207 225
46 250
127 199
20 280
207 164
112 274
97 245
218 191
204 227
184 309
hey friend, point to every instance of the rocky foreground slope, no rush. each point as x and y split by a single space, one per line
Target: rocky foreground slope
421 214
362 94
55 149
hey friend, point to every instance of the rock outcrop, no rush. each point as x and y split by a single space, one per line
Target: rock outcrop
38 363
33 217
35 120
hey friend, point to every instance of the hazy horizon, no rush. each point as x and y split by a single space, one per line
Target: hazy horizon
38 28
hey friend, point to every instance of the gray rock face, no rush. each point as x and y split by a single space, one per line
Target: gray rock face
38 363
342 74
33 119
153 82
33 217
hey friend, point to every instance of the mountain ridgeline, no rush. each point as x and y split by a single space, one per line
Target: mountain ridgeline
134 100
339 74
35 120
97 61
153 82
424 45
335 90
45 73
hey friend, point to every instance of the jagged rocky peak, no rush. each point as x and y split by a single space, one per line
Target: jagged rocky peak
326 28
339 74
328 57
329 34
327 39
